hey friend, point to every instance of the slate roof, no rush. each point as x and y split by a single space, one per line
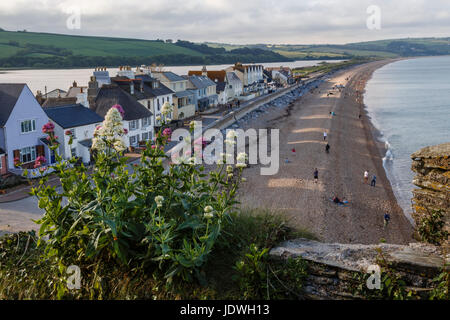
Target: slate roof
110 95
231 76
57 102
9 93
201 82
147 92
220 86
182 94
74 115
172 76
86 143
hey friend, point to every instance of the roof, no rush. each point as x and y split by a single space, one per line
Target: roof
172 76
218 75
9 93
58 91
86 143
201 82
74 91
56 102
220 86
147 87
182 94
231 76
110 95
74 115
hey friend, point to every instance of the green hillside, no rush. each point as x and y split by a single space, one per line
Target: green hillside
89 46
410 47
38 50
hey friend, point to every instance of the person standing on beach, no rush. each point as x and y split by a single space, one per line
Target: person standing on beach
374 181
324 135
366 176
387 217
316 175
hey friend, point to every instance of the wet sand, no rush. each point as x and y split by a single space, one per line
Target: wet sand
354 149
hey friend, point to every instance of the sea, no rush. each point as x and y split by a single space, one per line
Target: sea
409 103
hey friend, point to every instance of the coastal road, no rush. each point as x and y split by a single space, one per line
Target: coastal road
18 215
293 192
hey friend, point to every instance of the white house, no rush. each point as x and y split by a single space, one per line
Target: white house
80 122
250 75
21 122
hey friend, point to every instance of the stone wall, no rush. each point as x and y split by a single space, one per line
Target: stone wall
332 267
432 168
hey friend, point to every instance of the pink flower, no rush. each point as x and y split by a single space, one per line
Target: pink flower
154 146
119 108
48 127
68 133
125 130
167 132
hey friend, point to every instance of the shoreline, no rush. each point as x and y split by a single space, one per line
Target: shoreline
356 146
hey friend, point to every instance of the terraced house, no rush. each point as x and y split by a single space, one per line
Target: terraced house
183 99
204 90
21 122
251 75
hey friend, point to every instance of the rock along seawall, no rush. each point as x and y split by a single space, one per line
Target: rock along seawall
432 168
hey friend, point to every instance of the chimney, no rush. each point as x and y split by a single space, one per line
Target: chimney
74 84
204 71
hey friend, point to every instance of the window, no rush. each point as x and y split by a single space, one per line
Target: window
28 154
146 136
145 122
73 152
158 103
134 125
134 140
28 126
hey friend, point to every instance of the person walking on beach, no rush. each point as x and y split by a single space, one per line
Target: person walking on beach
374 181
327 148
324 135
387 217
316 175
366 176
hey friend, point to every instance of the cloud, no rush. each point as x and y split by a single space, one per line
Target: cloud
234 21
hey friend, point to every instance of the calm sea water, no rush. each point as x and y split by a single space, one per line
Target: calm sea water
63 79
409 103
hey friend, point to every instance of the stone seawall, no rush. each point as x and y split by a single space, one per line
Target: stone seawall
432 168
335 270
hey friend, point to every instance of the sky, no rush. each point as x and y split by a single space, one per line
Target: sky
233 21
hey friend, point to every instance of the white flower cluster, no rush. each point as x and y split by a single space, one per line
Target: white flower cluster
110 133
241 158
209 212
159 201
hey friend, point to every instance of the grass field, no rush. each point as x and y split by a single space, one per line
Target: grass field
90 46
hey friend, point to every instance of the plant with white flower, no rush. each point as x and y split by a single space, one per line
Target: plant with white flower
166 109
109 136
241 158
231 135
159 201
209 212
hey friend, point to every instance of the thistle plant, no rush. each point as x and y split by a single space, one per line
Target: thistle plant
153 215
